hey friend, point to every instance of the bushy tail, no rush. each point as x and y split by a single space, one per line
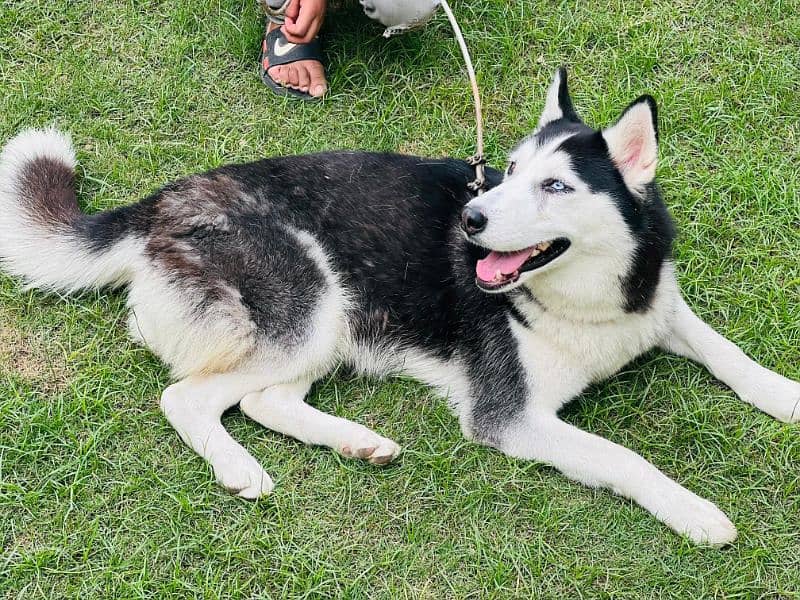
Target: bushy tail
44 237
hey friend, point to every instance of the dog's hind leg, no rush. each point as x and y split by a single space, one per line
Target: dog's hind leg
194 407
766 390
597 462
282 408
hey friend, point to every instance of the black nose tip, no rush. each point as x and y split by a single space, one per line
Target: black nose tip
472 220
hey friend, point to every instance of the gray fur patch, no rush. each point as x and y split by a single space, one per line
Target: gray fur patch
46 188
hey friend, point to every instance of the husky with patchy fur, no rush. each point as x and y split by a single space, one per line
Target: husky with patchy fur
253 281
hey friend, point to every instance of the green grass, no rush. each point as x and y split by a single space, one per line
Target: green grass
100 499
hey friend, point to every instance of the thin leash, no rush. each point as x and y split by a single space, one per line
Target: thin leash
478 160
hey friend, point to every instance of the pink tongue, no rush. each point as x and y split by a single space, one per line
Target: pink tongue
505 262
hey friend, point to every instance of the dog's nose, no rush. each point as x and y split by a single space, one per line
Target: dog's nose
472 220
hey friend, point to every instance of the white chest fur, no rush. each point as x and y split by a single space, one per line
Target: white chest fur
563 356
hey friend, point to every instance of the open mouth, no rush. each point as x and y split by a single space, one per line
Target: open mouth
500 269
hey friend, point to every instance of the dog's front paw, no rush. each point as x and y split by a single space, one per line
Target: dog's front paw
368 445
240 474
792 414
700 521
777 396
790 403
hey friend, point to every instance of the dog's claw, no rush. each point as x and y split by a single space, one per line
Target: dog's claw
365 452
371 447
381 459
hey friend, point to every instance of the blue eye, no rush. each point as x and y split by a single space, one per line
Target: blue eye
555 186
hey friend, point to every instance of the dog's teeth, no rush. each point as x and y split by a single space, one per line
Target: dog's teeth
535 251
498 275
544 246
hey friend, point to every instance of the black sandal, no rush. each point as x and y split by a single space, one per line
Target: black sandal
277 50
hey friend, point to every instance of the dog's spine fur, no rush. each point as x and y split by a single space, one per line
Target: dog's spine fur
44 237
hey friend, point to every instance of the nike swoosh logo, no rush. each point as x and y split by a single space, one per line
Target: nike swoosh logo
282 49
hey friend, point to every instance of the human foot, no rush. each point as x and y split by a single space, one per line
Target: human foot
292 68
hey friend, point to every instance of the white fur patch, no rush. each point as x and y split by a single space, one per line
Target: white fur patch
447 378
50 257
163 317
552 110
564 351
194 407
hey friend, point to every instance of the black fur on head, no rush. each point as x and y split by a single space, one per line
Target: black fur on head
564 99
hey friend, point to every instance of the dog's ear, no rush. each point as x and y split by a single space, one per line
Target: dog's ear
633 142
558 104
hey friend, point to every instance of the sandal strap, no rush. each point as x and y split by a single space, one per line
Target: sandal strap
281 51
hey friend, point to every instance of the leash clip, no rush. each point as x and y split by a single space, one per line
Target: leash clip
478 185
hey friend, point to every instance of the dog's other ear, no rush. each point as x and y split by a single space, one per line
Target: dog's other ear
558 104
633 142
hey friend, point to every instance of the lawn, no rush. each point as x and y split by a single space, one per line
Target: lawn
100 499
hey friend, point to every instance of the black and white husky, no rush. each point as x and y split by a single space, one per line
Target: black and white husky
253 281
